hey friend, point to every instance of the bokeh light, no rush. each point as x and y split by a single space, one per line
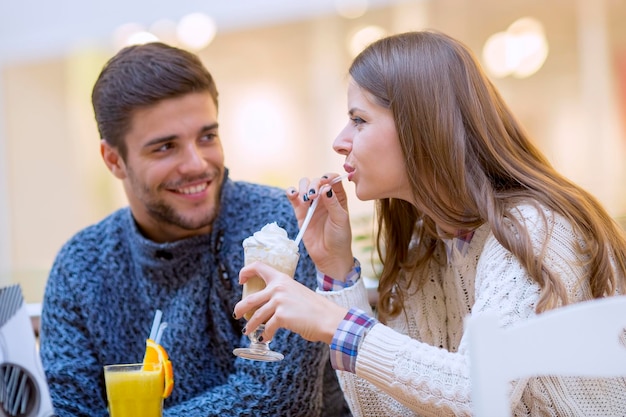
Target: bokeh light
520 51
363 37
195 31
351 9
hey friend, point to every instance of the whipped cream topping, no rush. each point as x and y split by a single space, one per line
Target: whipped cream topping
273 238
272 246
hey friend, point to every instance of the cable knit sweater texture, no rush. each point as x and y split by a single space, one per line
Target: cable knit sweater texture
417 364
108 280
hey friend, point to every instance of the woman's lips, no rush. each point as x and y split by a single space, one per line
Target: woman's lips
350 170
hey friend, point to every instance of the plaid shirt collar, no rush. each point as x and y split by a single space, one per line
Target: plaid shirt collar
461 242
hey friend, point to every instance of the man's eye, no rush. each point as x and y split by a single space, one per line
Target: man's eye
164 147
209 137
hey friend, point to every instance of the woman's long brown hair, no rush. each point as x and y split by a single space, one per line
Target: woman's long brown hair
469 161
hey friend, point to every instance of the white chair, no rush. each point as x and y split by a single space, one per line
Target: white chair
553 343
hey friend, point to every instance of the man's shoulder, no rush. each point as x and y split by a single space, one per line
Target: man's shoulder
251 199
251 190
97 238
246 207
115 220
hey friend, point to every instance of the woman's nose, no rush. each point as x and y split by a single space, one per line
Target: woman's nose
343 142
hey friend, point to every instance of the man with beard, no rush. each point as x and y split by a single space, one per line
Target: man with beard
177 247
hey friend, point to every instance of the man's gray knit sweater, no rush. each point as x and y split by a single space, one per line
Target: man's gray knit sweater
107 282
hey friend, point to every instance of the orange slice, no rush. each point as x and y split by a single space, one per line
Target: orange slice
155 353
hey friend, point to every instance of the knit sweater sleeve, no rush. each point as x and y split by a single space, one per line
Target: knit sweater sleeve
73 370
398 373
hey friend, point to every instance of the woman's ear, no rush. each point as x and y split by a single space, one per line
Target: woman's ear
113 159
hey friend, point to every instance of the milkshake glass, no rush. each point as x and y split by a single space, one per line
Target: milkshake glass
272 246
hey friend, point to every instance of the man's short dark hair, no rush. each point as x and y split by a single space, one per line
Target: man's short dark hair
140 76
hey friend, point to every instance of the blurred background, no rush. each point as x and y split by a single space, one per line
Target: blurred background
280 67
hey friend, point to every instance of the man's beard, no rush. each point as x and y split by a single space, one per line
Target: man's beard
166 214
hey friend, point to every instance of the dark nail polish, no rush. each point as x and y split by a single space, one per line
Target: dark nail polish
329 194
234 315
312 191
243 331
260 339
305 197
325 176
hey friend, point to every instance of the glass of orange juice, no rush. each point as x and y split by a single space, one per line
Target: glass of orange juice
134 389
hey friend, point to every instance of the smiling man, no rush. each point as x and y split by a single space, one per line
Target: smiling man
173 167
177 247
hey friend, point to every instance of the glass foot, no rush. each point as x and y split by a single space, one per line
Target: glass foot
258 351
259 355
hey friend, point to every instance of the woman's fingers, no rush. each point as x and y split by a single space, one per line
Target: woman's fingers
260 300
302 197
255 269
309 189
328 236
304 312
285 303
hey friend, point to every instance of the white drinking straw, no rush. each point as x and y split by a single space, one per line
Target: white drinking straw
157 338
311 210
155 324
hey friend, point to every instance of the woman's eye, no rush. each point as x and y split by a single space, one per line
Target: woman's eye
357 120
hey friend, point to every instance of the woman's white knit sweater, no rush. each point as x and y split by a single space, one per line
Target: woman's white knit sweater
418 363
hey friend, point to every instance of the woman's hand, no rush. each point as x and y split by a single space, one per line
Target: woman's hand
285 303
328 238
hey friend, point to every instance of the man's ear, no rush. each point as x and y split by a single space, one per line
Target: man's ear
113 159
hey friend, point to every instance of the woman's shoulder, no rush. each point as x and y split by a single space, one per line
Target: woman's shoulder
549 232
541 215
538 218
529 211
544 228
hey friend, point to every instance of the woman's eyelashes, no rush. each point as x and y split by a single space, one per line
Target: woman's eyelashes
357 120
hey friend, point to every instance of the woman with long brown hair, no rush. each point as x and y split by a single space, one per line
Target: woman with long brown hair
472 218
